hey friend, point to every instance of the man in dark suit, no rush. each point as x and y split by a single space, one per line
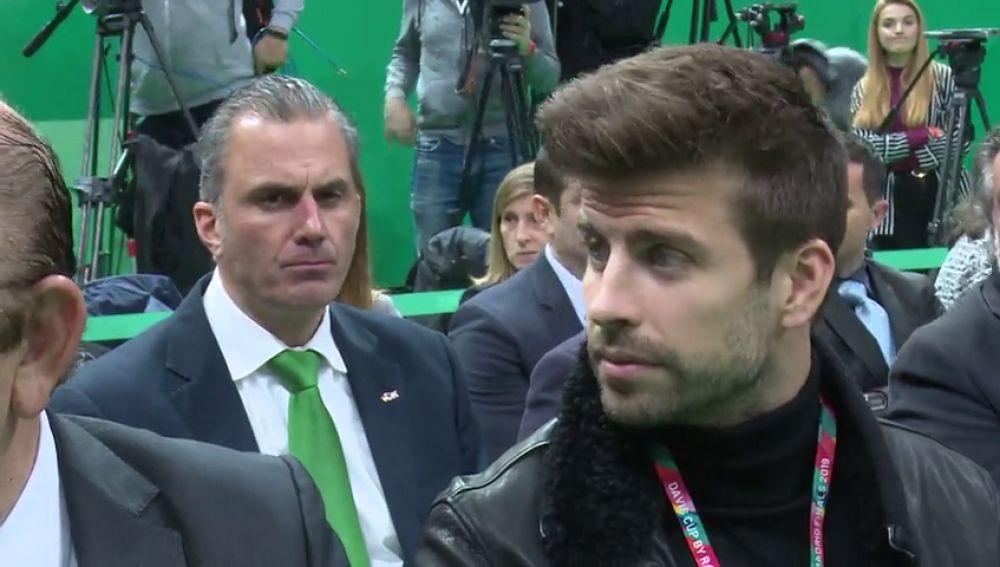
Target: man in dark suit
547 380
255 360
871 309
502 332
944 382
79 491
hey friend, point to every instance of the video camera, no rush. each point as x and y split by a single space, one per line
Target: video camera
101 8
775 33
494 10
965 51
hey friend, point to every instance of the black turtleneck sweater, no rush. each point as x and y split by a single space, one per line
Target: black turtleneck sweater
752 487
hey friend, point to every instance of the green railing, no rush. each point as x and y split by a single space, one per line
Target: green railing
121 327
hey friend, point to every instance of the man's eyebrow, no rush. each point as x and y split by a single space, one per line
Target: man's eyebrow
336 184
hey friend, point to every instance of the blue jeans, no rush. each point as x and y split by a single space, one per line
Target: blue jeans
436 196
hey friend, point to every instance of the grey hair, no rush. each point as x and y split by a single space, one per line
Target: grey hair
974 214
983 182
272 97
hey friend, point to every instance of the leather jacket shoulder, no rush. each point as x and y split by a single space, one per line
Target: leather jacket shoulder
494 518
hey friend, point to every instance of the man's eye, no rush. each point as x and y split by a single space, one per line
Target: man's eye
597 251
665 257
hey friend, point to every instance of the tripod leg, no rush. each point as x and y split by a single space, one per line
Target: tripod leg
510 113
731 12
88 169
981 105
168 73
695 10
528 136
951 168
472 148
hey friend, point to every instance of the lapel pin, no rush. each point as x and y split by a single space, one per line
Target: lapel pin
390 396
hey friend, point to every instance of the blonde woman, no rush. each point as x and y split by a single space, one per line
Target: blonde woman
516 237
913 146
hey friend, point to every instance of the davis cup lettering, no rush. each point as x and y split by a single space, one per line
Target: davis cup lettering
690 522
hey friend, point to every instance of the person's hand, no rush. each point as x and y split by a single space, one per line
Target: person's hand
935 132
269 53
399 122
517 28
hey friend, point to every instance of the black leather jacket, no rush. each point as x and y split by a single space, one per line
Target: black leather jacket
569 496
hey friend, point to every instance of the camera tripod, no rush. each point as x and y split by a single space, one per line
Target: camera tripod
967 73
965 57
703 13
97 194
521 136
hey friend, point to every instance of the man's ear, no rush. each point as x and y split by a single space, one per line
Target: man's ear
206 220
803 279
544 211
880 208
51 341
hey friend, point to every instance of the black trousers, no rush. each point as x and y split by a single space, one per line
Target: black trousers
913 202
171 130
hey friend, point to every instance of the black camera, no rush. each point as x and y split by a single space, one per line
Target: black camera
966 52
774 23
494 11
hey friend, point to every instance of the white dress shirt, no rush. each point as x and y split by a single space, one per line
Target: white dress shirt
247 347
36 532
572 284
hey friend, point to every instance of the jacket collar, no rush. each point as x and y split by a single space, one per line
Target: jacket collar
599 475
204 396
991 292
109 501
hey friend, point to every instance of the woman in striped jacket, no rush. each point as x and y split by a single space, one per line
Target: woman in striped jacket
914 146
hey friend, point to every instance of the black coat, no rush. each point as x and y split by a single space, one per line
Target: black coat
582 492
944 382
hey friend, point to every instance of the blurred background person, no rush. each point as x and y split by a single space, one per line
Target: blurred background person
205 45
430 55
516 235
971 258
914 145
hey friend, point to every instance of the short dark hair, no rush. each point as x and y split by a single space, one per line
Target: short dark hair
549 182
672 109
874 172
36 220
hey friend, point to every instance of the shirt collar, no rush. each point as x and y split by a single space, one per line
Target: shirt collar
570 283
861 276
246 346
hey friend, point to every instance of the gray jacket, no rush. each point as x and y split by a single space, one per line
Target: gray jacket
430 54
204 44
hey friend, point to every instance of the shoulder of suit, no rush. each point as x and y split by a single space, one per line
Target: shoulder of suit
182 460
914 280
382 325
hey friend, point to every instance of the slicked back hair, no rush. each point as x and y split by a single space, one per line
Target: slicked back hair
677 109
36 230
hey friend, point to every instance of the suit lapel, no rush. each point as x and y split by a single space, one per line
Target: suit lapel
383 404
114 518
206 397
552 297
845 324
900 320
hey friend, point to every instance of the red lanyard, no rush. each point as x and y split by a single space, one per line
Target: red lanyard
692 526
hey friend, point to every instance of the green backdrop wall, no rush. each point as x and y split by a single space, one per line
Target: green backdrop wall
51 88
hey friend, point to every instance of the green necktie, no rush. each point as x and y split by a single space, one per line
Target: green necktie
313 439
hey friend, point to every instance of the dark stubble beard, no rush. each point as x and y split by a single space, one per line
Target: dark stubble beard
718 386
